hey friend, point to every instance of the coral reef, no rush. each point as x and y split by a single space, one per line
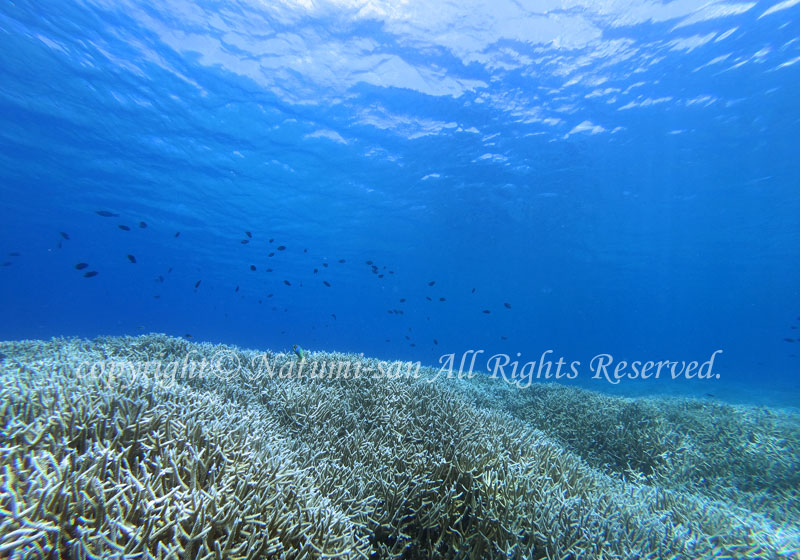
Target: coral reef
193 463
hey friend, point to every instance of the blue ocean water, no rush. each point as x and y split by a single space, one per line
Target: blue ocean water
583 177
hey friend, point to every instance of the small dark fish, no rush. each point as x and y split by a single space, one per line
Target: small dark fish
333 315
473 290
197 284
269 270
253 267
316 270
789 339
342 261
281 247
270 295
794 328
271 255
90 274
271 240
486 311
81 266
402 300
369 263
380 275
169 270
428 298
65 235
305 250
326 283
508 305
287 282
435 341
106 214
712 395
123 227
325 265
160 279
132 259
156 297
413 345
15 254
245 241
177 234
408 337
6 263
388 340
248 234
142 225
503 338
432 282
391 272
442 299
237 289
187 335
59 244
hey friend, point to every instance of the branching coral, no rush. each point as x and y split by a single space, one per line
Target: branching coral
253 464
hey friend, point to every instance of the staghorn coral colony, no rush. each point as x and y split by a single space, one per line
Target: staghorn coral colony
102 462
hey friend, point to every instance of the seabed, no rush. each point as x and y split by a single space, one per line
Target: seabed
103 461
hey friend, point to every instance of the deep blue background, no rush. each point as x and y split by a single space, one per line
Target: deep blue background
628 186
